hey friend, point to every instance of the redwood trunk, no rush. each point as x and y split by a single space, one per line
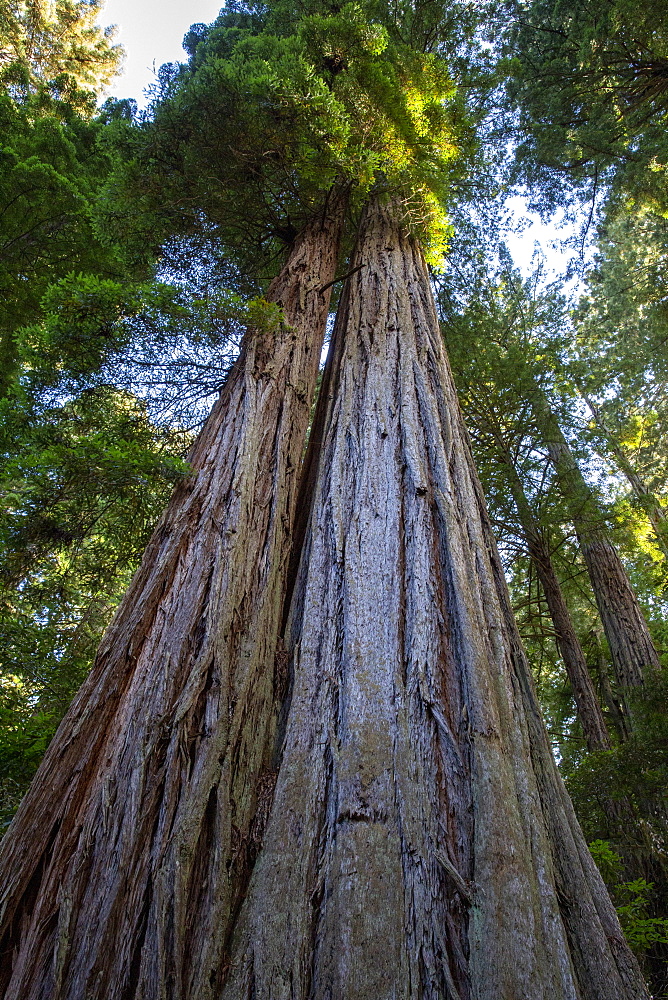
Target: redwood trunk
631 646
587 704
420 842
615 702
134 844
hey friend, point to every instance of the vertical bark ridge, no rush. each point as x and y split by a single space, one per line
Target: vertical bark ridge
631 646
152 784
413 848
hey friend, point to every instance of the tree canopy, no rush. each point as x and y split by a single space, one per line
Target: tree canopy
57 46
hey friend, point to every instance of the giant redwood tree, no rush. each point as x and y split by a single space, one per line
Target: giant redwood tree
337 786
139 826
420 843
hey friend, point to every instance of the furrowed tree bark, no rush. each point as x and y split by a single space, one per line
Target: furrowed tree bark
133 847
420 843
631 646
588 707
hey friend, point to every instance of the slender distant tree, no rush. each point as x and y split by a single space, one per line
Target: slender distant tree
506 338
518 331
538 546
631 645
620 364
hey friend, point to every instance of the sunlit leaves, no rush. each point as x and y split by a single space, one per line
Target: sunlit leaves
56 46
308 101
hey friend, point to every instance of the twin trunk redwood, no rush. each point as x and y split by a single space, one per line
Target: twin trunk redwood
631 646
420 842
126 861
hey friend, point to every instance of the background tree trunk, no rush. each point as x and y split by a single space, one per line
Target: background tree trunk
588 707
631 646
420 842
134 844
614 700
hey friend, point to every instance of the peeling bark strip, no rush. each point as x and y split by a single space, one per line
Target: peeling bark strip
420 842
134 844
631 646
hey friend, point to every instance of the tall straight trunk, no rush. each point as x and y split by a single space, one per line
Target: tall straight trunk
631 646
614 700
133 847
588 707
420 842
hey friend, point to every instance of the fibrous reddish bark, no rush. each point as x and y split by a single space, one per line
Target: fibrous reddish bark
587 704
631 646
128 856
420 841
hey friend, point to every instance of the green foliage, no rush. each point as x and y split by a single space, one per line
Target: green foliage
25 732
56 45
333 100
50 169
620 799
589 79
642 931
636 770
91 325
81 485
77 463
607 861
632 898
